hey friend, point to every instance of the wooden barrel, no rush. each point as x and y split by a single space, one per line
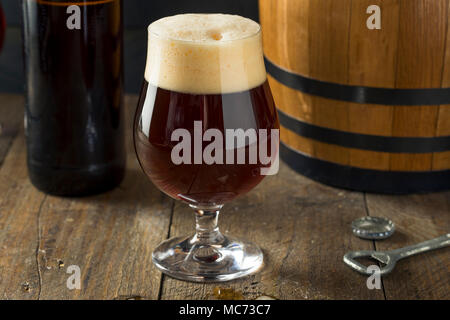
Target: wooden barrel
362 108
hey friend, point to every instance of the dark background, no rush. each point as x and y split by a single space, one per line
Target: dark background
138 15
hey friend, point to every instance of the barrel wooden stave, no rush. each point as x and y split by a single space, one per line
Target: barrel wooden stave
409 52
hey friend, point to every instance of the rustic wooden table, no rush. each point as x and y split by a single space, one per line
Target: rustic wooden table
302 226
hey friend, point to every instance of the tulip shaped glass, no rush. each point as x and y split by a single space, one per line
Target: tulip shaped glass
205 132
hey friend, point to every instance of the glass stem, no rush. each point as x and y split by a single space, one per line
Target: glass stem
207 230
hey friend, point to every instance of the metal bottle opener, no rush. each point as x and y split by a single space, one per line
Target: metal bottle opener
390 258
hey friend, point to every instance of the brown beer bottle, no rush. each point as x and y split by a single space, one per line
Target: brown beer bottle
74 123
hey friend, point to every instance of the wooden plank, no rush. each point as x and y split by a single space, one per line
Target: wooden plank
329 22
421 50
306 146
110 236
19 204
286 41
19 208
304 230
11 117
329 52
302 226
373 50
287 45
418 218
446 74
441 160
370 52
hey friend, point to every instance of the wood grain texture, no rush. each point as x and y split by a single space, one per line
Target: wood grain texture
420 57
332 67
362 159
374 50
11 117
110 236
418 218
291 48
441 161
19 207
329 41
303 229
371 51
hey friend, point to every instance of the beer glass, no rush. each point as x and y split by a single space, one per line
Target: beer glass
206 131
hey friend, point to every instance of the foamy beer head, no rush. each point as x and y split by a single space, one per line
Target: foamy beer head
205 54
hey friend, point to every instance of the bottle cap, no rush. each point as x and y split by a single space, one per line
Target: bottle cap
373 228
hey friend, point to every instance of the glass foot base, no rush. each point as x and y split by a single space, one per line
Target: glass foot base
187 258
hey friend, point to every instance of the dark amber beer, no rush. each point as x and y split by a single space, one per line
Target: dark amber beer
201 183
206 131
215 78
74 101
